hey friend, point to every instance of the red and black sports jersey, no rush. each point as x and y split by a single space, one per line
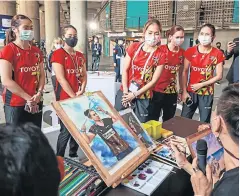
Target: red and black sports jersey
137 65
25 71
202 68
72 66
167 82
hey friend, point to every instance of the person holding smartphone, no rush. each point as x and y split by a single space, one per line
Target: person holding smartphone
233 50
202 60
22 74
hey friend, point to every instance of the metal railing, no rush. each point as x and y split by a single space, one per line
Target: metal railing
192 19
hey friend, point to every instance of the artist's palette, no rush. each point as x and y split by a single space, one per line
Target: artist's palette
147 177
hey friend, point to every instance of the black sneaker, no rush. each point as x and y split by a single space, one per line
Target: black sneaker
217 83
73 155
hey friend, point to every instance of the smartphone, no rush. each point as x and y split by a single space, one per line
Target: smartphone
237 44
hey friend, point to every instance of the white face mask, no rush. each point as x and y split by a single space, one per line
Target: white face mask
204 40
178 41
26 35
57 46
151 40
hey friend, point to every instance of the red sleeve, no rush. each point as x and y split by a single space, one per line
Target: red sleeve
58 57
82 56
7 53
132 48
181 56
220 57
162 55
40 53
188 54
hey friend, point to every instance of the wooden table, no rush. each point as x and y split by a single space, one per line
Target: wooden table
175 184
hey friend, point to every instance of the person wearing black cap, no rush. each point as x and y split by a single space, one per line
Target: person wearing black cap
119 53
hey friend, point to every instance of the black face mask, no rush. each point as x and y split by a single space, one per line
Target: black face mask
218 47
71 41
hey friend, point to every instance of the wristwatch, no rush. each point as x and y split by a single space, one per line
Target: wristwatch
180 91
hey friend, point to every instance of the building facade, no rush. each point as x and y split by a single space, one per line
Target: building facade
126 19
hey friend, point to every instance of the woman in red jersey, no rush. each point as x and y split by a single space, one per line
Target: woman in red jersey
142 69
202 60
165 92
71 79
22 74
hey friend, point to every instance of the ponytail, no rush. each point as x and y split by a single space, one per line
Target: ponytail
10 36
15 23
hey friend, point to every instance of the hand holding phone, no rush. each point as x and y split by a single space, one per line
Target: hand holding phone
230 46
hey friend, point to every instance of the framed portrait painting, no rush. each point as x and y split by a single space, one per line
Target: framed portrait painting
131 119
108 142
215 151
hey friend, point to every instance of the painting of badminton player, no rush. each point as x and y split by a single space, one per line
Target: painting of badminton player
142 69
165 92
105 130
202 59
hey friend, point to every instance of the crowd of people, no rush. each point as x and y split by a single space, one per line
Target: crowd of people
154 79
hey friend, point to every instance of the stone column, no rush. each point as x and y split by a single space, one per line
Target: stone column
78 18
31 10
8 8
52 22
42 22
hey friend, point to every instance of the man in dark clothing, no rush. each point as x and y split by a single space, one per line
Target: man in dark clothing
104 129
225 127
119 53
218 44
232 50
96 53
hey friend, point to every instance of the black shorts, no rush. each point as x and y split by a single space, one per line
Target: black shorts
203 103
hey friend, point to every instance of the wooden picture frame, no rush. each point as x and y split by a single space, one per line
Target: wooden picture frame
194 137
71 112
137 127
215 151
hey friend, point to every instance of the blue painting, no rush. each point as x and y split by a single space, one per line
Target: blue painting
101 128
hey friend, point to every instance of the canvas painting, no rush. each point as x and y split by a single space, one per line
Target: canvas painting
102 134
130 118
214 153
165 151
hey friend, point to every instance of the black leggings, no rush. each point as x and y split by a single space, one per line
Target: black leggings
162 102
62 141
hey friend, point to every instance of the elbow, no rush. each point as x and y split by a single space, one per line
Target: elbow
220 77
6 82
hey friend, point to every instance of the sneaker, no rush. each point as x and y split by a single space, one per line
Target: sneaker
74 158
217 83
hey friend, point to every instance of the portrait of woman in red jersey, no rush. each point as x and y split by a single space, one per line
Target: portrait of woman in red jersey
202 60
22 74
71 79
142 69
